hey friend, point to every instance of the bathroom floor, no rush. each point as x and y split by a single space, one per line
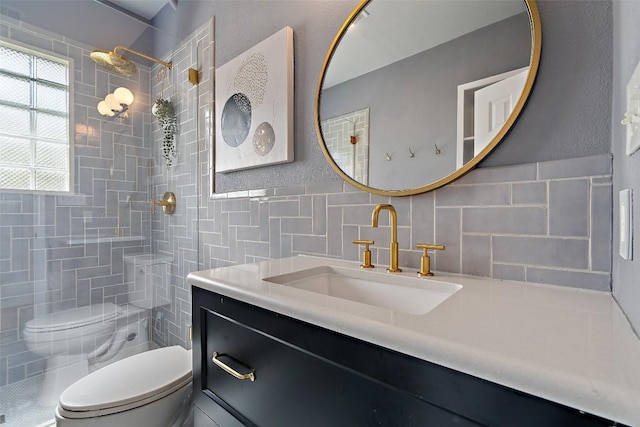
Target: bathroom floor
21 407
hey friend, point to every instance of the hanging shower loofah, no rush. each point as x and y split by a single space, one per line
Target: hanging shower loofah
165 113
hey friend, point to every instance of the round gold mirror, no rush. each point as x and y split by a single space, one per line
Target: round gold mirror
414 94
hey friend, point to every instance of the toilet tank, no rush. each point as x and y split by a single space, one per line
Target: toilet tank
141 273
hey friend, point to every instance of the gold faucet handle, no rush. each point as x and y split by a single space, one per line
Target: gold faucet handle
364 242
168 203
366 254
429 247
425 261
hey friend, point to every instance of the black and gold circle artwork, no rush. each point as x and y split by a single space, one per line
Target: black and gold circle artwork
236 119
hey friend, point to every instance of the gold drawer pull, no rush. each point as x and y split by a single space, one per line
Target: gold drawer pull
229 370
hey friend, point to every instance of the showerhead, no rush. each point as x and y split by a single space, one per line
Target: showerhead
116 63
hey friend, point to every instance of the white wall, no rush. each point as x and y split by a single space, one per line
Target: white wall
626 170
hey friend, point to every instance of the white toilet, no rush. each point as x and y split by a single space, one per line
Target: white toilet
151 389
79 340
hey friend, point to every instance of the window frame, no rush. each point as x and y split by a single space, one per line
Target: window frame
70 64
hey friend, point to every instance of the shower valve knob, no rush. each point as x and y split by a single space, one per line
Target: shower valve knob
168 203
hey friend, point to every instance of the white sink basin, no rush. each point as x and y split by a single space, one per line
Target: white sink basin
400 293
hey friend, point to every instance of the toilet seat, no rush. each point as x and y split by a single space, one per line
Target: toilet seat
74 318
127 384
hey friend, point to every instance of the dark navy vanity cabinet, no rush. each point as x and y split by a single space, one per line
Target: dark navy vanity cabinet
304 375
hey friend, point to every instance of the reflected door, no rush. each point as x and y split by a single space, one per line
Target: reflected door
493 106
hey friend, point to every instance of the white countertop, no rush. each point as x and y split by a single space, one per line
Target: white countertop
570 346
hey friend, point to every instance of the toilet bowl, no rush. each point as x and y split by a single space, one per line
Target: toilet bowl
75 331
151 389
77 341
130 336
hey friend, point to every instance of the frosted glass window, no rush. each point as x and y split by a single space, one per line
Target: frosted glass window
35 150
15 89
51 98
15 151
51 71
47 180
18 179
15 121
52 126
52 155
14 61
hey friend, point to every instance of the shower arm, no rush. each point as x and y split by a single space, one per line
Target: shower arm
150 58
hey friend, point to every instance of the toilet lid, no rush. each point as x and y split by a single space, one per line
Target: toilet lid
74 317
142 378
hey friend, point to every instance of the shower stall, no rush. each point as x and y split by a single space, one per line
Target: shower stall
80 249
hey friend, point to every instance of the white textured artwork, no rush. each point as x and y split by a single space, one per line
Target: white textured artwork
254 106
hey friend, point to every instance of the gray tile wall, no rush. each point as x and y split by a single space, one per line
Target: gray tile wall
338 133
41 270
546 222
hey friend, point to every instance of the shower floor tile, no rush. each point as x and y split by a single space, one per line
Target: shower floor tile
28 404
21 406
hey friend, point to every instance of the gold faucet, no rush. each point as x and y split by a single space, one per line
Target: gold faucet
393 245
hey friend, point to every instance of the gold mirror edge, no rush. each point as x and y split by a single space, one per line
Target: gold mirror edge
534 64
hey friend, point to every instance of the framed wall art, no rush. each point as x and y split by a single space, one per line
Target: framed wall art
254 106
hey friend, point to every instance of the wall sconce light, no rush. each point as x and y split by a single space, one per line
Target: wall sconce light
117 103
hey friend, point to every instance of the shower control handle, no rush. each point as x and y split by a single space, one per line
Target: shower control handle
168 203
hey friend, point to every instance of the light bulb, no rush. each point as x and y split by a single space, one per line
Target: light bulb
112 103
104 109
123 96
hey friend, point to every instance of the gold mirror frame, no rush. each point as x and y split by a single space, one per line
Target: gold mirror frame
536 44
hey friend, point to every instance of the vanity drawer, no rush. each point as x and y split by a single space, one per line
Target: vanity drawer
293 387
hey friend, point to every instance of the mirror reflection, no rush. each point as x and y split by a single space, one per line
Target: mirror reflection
415 91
